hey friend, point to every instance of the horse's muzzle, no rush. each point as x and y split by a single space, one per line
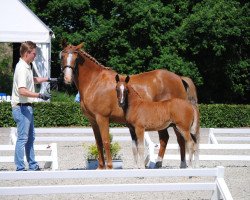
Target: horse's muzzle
68 75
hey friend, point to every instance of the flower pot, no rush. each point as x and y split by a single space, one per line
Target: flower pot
93 164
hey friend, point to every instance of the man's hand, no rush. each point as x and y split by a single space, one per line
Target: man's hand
52 80
44 96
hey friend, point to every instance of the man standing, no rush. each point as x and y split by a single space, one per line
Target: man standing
23 94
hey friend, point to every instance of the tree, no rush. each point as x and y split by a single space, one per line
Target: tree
207 41
6 75
216 38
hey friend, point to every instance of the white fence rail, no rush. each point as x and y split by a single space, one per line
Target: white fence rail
230 134
218 186
67 131
212 139
51 160
151 147
152 156
5 98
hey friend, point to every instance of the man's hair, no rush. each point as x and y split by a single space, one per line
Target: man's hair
27 46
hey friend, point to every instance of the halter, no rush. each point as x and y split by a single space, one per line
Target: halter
75 68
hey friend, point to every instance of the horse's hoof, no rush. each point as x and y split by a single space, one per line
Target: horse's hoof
100 168
183 165
158 164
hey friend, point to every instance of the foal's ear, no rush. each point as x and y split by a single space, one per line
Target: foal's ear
127 79
117 78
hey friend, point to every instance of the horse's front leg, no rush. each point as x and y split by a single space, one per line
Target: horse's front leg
99 144
134 143
140 139
181 142
163 138
103 124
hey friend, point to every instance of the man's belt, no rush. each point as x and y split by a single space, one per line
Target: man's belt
24 104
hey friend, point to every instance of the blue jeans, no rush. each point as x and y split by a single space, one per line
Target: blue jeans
24 118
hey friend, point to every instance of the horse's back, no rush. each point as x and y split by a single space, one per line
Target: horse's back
158 85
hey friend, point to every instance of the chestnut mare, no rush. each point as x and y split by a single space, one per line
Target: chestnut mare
146 115
96 85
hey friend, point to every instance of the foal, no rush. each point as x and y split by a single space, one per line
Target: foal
155 116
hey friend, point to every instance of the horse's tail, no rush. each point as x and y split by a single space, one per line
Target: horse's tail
191 90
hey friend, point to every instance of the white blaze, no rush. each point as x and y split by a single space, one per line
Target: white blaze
67 70
69 58
122 88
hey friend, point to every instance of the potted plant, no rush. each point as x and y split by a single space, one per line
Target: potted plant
92 155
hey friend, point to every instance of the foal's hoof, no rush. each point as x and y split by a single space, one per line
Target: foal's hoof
158 164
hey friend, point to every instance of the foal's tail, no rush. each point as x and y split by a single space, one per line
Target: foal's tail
195 128
191 90
195 134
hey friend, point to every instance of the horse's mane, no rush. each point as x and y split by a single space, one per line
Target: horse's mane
92 59
136 93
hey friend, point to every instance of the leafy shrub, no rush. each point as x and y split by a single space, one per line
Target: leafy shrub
62 114
92 153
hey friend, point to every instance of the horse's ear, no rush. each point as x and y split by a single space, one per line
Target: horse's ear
64 43
79 46
117 78
127 79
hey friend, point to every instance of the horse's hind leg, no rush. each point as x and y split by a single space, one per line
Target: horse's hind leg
134 143
181 142
163 138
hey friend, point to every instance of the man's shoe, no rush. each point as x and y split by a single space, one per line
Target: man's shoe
38 169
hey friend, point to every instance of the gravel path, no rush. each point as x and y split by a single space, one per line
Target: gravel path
71 157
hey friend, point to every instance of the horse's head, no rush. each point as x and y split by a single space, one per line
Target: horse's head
69 59
122 90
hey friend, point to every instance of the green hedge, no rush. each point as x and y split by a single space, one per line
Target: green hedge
69 114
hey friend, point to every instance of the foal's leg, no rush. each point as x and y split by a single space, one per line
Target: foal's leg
134 143
189 143
103 123
181 142
99 144
191 148
140 138
196 155
196 149
163 138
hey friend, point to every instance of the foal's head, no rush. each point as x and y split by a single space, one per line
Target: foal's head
122 91
69 57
